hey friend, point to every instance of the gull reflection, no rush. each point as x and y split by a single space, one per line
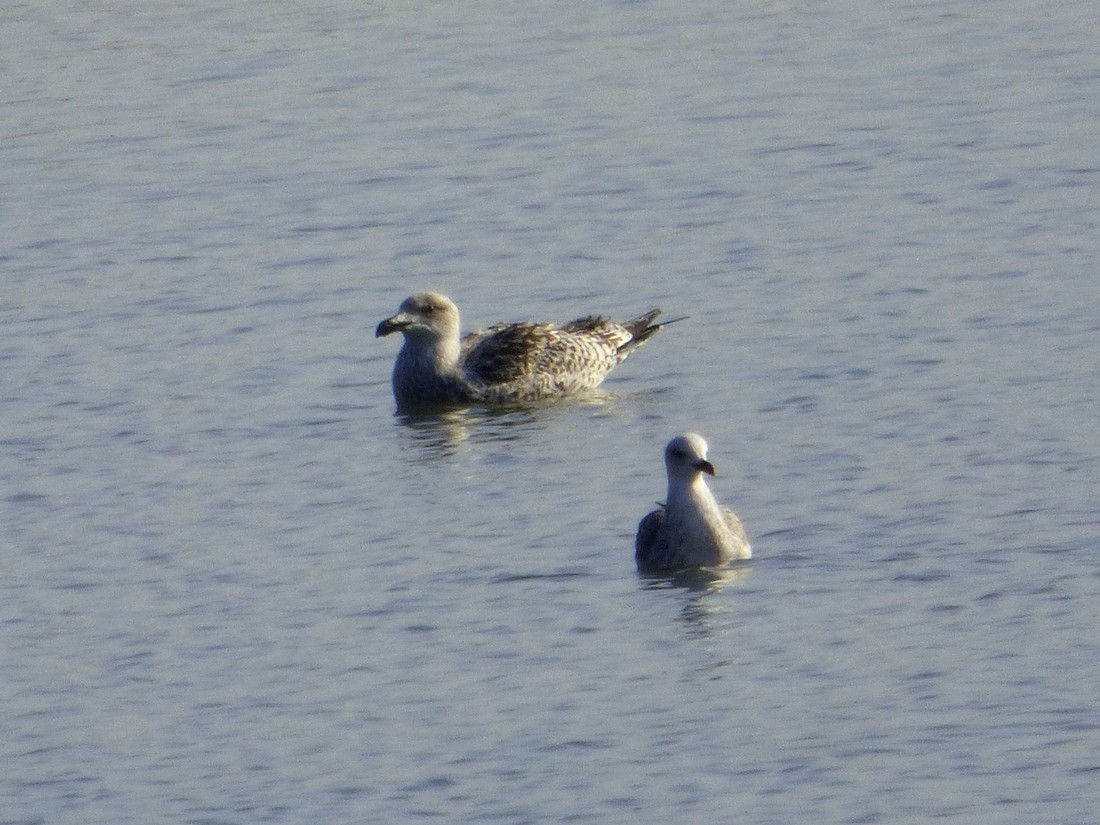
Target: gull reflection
440 432
701 584
436 433
700 580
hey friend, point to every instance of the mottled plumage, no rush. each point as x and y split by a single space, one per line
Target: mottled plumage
691 529
504 363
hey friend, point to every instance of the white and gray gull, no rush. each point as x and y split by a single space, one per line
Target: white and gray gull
691 529
503 363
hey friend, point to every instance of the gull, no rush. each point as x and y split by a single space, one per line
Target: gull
691 529
503 363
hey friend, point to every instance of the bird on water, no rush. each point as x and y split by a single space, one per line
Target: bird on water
503 363
691 529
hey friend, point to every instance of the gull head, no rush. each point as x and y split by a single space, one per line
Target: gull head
426 315
686 457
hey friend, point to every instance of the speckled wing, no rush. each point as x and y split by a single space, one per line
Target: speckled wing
598 328
503 353
580 353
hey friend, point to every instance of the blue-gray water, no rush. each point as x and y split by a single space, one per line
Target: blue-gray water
237 589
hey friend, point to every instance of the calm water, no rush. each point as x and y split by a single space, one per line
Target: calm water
238 589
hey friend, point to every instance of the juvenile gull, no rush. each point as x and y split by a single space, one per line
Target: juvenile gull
504 363
691 529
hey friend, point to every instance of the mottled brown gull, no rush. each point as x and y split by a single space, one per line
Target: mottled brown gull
691 529
504 363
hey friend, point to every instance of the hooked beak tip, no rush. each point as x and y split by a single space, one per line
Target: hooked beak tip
705 466
387 327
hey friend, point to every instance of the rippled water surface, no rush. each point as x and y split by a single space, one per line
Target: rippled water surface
238 589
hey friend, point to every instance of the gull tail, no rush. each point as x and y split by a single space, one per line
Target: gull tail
642 328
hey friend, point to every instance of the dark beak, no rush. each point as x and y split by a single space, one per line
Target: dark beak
395 324
704 466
